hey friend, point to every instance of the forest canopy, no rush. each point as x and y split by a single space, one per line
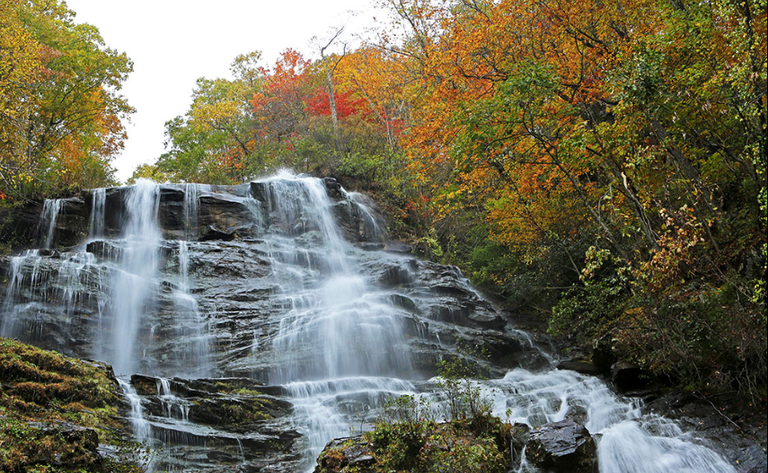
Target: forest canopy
600 165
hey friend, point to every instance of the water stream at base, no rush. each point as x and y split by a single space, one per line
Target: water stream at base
339 342
628 442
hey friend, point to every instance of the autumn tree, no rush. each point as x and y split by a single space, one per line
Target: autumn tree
216 140
602 136
61 108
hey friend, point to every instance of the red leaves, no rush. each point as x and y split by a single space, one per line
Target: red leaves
346 104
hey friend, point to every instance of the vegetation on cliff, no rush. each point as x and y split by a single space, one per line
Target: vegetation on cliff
407 436
56 411
601 165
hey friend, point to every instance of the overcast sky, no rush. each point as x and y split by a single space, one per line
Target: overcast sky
174 42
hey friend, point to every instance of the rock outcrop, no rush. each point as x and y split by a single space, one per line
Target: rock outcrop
59 413
239 275
562 447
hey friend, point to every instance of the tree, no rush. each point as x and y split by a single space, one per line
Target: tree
65 125
216 141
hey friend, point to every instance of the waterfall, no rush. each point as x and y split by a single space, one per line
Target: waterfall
191 327
191 212
48 218
134 284
98 213
281 288
372 228
628 442
141 427
22 272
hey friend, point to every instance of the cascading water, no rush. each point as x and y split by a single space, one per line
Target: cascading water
98 214
628 441
266 285
134 283
191 331
48 218
336 339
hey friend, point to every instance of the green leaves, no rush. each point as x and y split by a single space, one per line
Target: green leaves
65 125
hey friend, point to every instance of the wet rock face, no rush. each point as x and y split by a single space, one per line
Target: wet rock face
260 285
562 447
231 261
745 446
247 422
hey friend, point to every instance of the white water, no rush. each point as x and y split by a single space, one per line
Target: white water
319 406
141 427
38 290
48 218
362 205
339 349
628 442
339 346
134 284
191 207
191 327
174 407
336 340
98 213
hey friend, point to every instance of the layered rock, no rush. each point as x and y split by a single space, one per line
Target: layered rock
281 282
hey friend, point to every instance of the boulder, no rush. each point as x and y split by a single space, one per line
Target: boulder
225 218
333 187
562 447
72 222
347 454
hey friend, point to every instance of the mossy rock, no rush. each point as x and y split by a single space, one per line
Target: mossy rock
55 411
234 411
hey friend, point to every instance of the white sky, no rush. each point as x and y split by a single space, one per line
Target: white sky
174 42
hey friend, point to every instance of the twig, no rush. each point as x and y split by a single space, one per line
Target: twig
719 412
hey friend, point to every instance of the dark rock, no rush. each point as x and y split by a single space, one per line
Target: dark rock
628 376
368 246
333 187
394 275
223 217
602 356
104 249
229 412
72 222
115 209
144 385
580 366
212 233
562 447
519 436
170 211
398 247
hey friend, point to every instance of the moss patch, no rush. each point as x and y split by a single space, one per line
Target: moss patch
55 411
